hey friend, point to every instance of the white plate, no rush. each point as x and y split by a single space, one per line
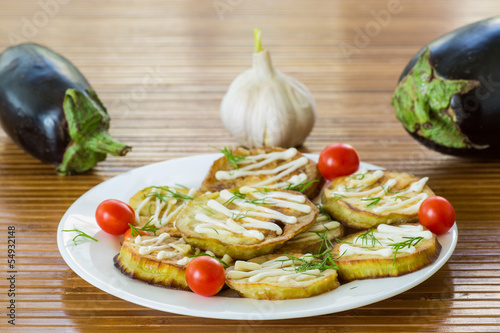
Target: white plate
93 261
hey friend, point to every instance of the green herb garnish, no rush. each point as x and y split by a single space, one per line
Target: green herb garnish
147 227
169 194
368 237
232 159
337 197
358 176
409 242
80 234
373 201
236 195
300 187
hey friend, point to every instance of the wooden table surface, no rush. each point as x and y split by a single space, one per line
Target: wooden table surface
162 67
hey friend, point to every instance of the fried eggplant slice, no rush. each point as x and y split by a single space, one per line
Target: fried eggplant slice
366 199
387 251
247 222
317 239
159 206
279 277
269 167
157 260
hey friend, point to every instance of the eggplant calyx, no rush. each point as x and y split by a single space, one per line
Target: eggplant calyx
88 124
422 101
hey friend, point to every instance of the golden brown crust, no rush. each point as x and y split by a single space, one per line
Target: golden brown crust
271 289
362 217
149 269
212 184
365 266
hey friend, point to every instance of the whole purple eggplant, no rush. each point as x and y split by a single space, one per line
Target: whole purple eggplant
48 108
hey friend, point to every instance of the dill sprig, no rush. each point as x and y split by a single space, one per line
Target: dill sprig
337 197
170 194
400 197
147 227
207 209
236 195
373 201
211 256
320 262
326 243
322 210
409 242
232 159
300 187
368 237
239 216
80 234
347 189
358 176
260 202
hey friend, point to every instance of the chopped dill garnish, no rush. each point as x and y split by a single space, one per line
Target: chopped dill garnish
322 210
206 209
337 197
321 262
400 197
80 234
368 237
409 242
232 159
347 189
236 195
240 215
182 186
358 176
260 202
169 194
211 256
147 227
326 243
300 187
373 201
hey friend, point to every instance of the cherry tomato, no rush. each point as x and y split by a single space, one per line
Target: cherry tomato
205 276
436 214
113 216
128 233
338 159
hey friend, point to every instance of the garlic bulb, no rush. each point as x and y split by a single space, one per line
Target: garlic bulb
264 107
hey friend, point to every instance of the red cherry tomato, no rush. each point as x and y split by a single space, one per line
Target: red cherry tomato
113 216
338 159
128 234
205 276
436 214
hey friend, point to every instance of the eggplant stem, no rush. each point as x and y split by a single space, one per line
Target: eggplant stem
88 124
257 40
420 98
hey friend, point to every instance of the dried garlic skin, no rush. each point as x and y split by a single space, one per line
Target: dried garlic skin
264 107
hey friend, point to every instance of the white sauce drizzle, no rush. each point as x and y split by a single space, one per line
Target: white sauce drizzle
386 235
405 202
245 217
258 161
280 267
168 214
